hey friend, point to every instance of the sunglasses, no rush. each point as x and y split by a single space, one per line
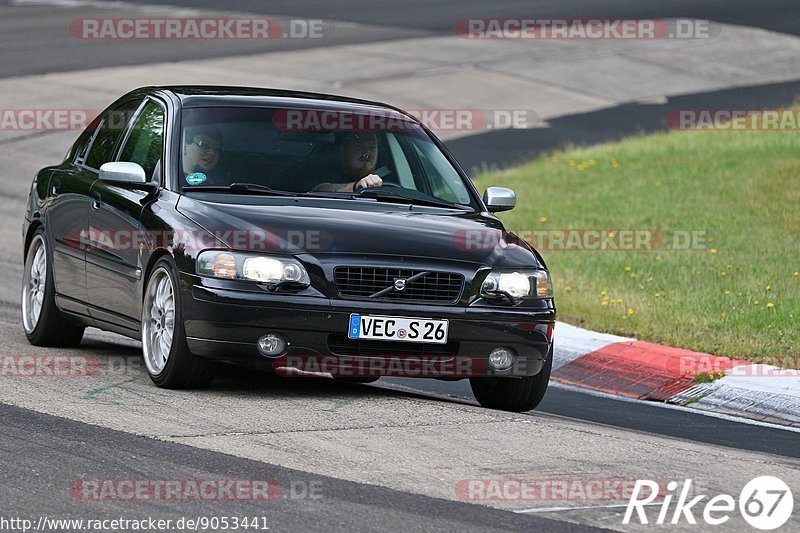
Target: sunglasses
208 146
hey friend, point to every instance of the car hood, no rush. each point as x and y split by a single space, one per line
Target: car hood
324 225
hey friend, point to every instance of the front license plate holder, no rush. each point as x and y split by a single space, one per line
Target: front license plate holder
397 328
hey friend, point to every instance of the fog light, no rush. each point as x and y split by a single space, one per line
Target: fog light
502 358
271 344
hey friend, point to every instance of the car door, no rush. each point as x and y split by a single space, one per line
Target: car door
113 266
68 211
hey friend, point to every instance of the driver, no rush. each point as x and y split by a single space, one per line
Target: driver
358 156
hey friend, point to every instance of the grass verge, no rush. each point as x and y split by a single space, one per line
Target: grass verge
733 195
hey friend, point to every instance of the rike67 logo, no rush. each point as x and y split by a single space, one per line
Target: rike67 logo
765 503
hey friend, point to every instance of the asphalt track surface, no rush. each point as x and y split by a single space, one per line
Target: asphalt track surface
571 402
36 40
31 46
42 453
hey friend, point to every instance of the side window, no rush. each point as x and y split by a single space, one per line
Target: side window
81 146
105 141
145 144
444 181
404 174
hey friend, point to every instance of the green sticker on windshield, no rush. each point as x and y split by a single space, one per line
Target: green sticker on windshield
196 178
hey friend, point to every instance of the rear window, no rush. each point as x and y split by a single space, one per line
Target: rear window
145 144
113 125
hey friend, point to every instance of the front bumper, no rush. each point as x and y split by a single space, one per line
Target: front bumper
226 324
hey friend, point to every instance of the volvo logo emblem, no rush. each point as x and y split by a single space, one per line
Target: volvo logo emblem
399 284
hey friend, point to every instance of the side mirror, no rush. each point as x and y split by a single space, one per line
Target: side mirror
499 199
127 175
121 173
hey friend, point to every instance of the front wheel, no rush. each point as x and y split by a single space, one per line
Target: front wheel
167 358
513 394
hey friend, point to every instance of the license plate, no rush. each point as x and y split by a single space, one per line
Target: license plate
396 328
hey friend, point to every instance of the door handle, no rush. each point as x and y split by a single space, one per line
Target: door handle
55 185
95 200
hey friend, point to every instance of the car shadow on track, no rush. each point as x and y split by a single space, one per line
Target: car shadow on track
122 371
240 380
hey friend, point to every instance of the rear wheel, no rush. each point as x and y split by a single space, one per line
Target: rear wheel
513 394
44 323
167 358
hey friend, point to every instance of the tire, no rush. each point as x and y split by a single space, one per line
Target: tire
43 322
513 394
167 358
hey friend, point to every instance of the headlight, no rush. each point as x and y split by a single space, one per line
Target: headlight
260 268
518 285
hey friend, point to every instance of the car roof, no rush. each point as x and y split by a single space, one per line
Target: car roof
221 96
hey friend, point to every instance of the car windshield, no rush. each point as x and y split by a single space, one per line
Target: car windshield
312 151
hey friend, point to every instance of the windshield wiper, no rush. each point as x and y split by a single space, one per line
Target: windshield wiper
240 187
388 195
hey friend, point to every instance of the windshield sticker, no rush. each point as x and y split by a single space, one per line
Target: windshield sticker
196 178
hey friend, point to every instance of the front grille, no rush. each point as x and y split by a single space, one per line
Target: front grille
367 282
342 345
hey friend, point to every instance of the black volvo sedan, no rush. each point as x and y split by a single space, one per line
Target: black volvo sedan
303 233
